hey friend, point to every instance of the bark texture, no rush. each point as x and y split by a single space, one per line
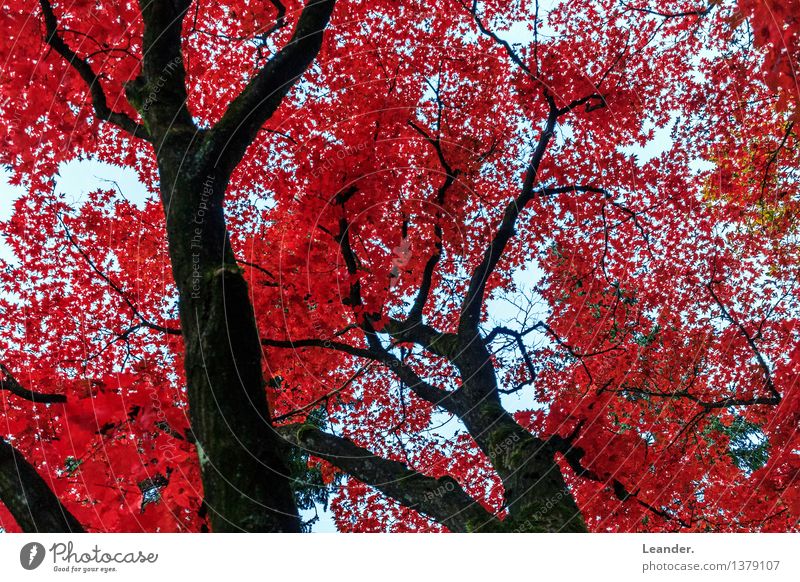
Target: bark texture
29 498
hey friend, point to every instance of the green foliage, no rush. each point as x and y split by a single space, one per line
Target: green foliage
747 446
307 483
645 340
71 464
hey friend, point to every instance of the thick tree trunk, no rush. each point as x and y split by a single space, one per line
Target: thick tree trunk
29 498
245 480
537 498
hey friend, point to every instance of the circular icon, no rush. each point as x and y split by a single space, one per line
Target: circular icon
31 555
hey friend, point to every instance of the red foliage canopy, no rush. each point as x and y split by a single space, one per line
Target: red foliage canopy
607 190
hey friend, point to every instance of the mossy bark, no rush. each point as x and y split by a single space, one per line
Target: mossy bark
245 478
536 496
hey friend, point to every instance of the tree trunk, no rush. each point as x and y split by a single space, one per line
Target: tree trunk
536 496
29 498
245 479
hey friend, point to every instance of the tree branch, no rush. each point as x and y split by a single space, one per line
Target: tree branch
762 363
574 188
364 321
145 322
573 455
84 69
441 499
326 397
237 129
506 46
8 382
415 315
473 301
442 344
700 12
526 358
705 405
28 497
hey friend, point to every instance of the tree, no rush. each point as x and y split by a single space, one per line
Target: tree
425 262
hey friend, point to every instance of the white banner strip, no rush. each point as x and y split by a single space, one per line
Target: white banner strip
334 558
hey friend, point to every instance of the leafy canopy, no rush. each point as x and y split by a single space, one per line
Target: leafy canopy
644 306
